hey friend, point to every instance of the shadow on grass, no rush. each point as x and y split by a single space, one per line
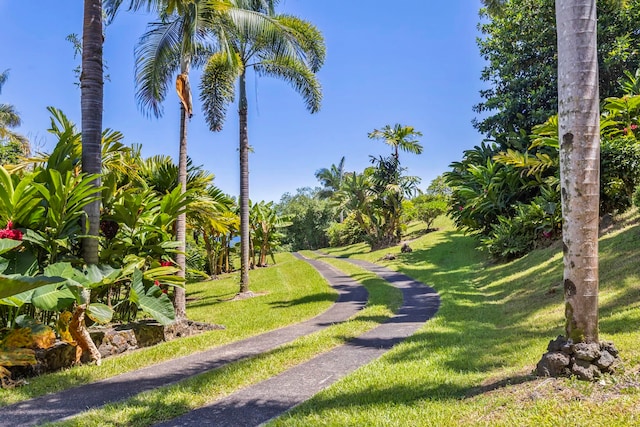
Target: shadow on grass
319 297
493 317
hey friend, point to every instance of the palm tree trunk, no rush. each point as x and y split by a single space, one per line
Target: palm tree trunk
579 131
179 296
244 187
91 86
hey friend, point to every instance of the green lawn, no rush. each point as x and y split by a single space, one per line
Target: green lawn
472 364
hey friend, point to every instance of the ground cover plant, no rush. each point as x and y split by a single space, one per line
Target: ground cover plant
472 364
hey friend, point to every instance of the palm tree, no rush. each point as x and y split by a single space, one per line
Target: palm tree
331 179
294 53
579 132
184 36
399 138
91 99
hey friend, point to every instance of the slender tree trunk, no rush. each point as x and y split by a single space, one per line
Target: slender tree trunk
179 297
244 188
91 94
579 131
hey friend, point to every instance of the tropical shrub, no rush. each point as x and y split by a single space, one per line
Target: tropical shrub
310 215
346 232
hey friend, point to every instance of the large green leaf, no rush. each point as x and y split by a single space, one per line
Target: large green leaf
151 301
7 244
17 300
52 298
100 313
15 284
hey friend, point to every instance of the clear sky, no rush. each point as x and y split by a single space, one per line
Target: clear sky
413 62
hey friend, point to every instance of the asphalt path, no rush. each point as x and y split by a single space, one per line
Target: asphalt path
257 404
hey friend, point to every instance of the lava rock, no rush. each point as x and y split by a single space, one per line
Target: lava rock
553 364
586 351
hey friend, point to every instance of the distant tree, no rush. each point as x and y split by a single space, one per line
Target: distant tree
439 187
12 144
398 137
310 216
429 207
331 179
390 185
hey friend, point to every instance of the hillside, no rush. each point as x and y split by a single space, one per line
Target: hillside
472 364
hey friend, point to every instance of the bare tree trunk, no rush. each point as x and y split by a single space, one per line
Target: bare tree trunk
179 296
91 99
579 132
244 188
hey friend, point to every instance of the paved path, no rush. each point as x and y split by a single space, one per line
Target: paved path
261 402
68 403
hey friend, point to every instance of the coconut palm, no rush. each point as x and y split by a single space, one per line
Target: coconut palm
293 53
331 179
9 117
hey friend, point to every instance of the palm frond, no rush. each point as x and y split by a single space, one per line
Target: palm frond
298 75
217 88
309 38
157 59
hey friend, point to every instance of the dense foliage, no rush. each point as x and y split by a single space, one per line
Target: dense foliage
519 45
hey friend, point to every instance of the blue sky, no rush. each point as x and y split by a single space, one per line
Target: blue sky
413 62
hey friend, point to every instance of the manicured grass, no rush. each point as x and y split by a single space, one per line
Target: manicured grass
472 363
293 292
169 402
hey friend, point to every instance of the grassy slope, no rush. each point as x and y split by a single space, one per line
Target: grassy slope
471 365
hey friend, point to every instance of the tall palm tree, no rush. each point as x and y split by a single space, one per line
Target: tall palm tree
579 132
399 138
91 100
187 32
294 53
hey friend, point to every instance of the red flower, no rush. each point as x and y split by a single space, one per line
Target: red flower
460 208
10 233
166 263
156 282
634 127
164 291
